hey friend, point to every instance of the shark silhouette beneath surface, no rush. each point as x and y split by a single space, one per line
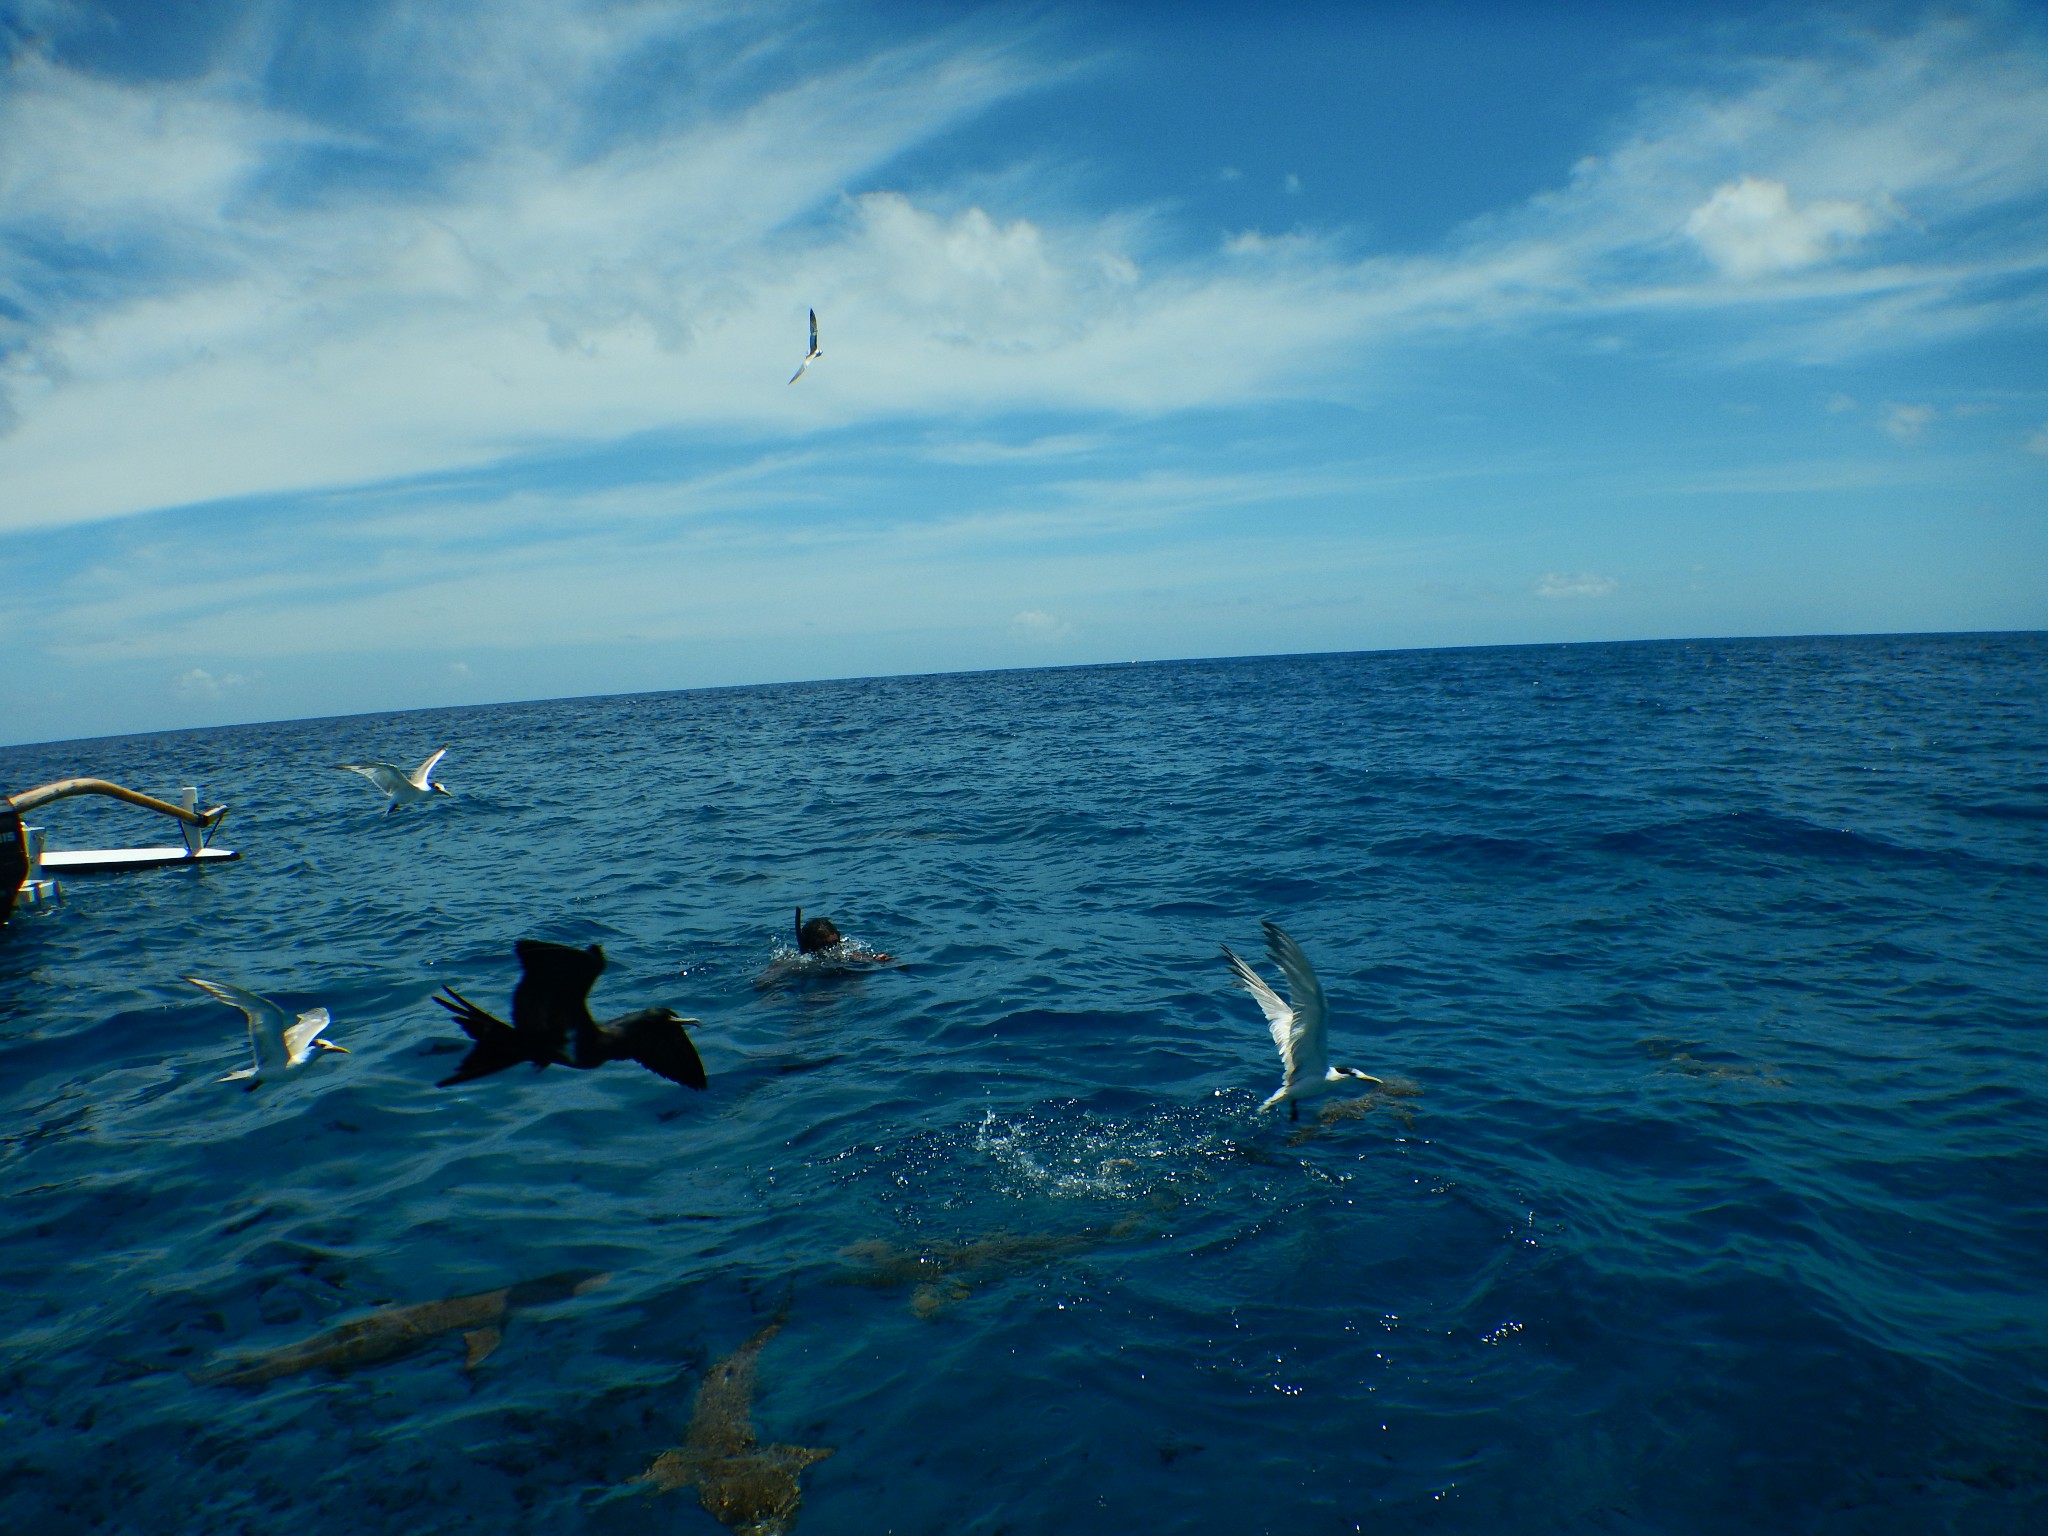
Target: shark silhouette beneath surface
1677 1056
742 1484
1388 1096
936 1271
399 1331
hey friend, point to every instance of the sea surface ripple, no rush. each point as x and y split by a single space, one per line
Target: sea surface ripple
1722 1205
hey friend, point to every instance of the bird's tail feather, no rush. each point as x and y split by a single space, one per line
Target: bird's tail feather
497 1044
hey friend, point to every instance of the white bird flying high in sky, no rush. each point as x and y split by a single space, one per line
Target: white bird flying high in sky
813 355
402 787
1300 1025
279 1047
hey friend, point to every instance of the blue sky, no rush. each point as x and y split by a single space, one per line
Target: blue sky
361 357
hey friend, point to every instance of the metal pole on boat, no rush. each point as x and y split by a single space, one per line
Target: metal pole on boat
192 823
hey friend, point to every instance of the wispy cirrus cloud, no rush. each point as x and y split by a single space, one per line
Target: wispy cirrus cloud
546 277
843 537
488 256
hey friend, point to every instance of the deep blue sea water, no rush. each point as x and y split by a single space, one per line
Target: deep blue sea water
1723 1205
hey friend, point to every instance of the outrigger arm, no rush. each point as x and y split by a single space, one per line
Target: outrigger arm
21 851
63 789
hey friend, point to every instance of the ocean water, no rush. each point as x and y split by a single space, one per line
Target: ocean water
1714 1197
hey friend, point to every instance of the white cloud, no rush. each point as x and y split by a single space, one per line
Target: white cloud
528 291
2038 443
199 683
1907 423
1036 625
1289 251
1575 584
548 278
1290 184
1750 227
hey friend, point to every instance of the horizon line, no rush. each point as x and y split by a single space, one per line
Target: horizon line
1071 666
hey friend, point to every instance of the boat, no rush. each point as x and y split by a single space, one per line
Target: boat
27 865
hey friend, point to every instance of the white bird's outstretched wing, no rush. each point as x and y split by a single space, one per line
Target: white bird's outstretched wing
421 774
811 356
299 1037
1307 1051
1279 1017
383 775
266 1023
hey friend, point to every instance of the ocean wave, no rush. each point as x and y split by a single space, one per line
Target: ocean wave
1706 1177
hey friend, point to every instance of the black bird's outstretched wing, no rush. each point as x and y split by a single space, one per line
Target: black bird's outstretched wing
654 1037
551 1010
552 1001
497 1047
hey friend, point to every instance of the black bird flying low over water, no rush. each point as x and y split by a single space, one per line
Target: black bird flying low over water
551 1023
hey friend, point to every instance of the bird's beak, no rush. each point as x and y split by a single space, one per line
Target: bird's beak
327 1046
443 789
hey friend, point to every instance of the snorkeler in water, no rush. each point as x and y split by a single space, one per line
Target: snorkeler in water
821 951
820 936
816 936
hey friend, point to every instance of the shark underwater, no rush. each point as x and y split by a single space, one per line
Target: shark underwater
1333 1112
935 1270
742 1484
400 1330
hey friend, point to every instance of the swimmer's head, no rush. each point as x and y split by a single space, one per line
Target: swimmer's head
818 934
